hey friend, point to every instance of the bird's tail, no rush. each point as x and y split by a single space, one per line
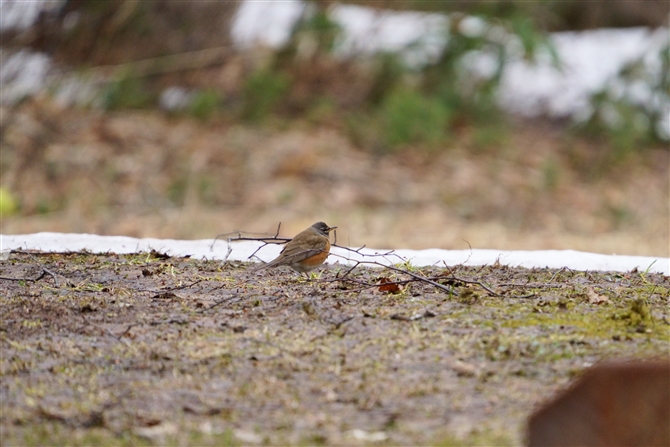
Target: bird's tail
263 266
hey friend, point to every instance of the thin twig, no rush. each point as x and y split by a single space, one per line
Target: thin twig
425 314
166 64
219 302
239 237
532 285
45 271
395 269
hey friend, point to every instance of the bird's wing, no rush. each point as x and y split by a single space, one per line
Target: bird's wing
310 246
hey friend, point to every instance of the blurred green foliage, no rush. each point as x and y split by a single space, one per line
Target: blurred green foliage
629 110
205 104
8 204
126 92
316 30
408 103
397 103
410 116
469 91
262 92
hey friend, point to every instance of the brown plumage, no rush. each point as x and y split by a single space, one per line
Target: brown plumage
306 251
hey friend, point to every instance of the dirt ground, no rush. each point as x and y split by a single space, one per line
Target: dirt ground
149 350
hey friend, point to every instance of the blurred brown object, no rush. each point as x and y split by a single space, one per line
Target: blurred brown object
612 404
112 32
548 15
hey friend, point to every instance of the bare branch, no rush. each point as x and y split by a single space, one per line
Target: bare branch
45 271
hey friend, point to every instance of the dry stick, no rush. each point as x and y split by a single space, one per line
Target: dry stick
266 241
471 281
425 314
45 271
523 297
369 255
395 269
433 278
358 251
482 285
365 255
485 287
184 286
172 288
219 302
277 240
532 285
429 280
281 240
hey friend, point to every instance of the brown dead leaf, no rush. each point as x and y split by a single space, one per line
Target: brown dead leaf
388 286
596 298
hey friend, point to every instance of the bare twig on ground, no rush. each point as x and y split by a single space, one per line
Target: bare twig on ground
44 272
359 252
415 276
220 302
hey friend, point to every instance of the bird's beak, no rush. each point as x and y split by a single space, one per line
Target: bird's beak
331 229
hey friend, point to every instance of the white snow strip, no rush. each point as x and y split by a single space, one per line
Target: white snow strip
202 249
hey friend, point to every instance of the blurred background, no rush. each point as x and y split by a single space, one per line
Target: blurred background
408 124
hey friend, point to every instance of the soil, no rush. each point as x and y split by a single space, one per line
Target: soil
144 349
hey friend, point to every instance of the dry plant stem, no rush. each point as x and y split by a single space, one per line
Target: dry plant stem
488 289
45 271
266 241
184 286
220 302
420 278
42 274
395 269
425 314
171 63
471 281
277 240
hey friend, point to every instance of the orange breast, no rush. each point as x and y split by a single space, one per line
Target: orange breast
318 258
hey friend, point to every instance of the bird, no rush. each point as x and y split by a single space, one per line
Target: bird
306 251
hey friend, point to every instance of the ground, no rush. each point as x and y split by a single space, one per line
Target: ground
145 349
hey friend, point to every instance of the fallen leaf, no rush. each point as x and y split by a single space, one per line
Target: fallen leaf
387 286
595 297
